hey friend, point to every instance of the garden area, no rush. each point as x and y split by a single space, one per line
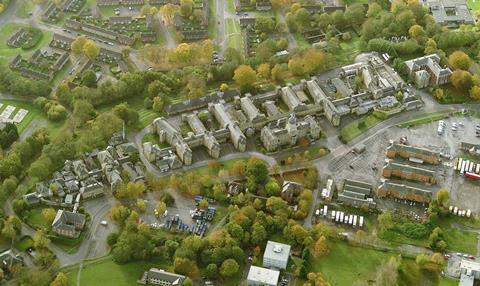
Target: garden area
118 274
357 127
347 263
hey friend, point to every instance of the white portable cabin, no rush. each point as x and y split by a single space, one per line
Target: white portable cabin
341 216
471 167
455 211
464 165
450 209
333 215
355 220
350 220
360 222
469 213
477 170
317 212
325 210
337 216
346 219
460 163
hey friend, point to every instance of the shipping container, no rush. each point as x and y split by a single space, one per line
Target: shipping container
325 210
355 220
350 220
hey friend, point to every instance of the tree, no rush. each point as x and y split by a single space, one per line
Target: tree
188 282
259 234
185 266
387 273
295 66
459 60
168 12
278 73
203 204
77 45
272 188
263 71
211 270
416 31
128 115
385 221
40 240
89 78
438 93
316 279
141 206
90 49
320 247
60 280
161 207
131 190
443 197
462 80
49 215
157 104
256 173
475 92
229 268
238 168
245 76
186 8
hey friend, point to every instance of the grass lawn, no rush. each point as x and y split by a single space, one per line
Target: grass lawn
410 274
26 6
346 264
461 241
212 20
425 118
301 42
474 5
230 6
234 34
445 281
451 95
118 274
352 130
7 53
35 219
348 50
24 243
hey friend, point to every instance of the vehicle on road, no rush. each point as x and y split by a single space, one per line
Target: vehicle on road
104 223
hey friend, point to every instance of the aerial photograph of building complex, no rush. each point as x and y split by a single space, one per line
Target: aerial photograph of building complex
240 142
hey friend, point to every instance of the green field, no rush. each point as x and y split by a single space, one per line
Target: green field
346 263
474 5
348 50
24 243
234 34
118 274
34 218
7 53
352 130
425 118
